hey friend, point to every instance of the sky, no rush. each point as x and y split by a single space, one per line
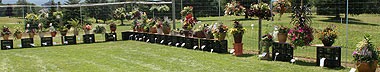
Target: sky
37 2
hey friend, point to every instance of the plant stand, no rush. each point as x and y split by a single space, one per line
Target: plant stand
126 35
89 38
207 44
189 43
174 40
110 37
238 47
284 50
332 55
6 44
27 43
69 40
221 46
46 41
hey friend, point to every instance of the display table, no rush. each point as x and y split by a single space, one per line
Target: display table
331 53
110 37
69 40
89 38
46 41
6 44
27 43
284 50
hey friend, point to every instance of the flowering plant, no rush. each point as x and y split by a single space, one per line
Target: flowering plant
187 11
234 8
281 6
261 10
301 34
136 13
267 41
18 30
87 27
220 30
237 29
283 29
189 22
328 34
365 50
5 31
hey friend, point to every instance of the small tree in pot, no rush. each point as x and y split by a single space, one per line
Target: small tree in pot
5 33
76 25
366 55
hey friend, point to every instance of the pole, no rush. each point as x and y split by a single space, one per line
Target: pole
173 13
259 36
346 31
219 13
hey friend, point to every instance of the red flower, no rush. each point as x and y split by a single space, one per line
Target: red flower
378 48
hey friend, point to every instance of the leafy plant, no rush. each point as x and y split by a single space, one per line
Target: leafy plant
166 24
237 29
75 23
234 8
301 34
18 31
5 31
365 50
328 34
283 29
160 8
221 29
62 28
99 29
261 10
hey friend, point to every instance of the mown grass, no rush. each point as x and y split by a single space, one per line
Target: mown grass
139 56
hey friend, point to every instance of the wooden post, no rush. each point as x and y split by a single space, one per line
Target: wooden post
259 35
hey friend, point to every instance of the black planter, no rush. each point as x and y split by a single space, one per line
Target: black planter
6 44
221 46
110 37
27 43
126 35
174 40
89 38
69 40
189 43
328 43
46 41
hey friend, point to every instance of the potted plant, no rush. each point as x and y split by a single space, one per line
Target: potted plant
237 31
41 30
166 27
158 26
267 41
366 55
87 29
199 32
63 30
220 32
52 30
188 24
328 35
18 33
207 30
31 32
234 8
99 29
5 33
302 32
280 6
113 27
76 25
282 34
151 25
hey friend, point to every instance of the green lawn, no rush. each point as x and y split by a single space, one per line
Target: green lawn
139 56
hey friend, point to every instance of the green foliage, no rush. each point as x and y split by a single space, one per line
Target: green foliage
160 8
237 29
75 24
365 50
99 29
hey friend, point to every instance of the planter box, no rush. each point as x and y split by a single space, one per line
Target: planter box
174 40
89 38
46 41
189 43
332 55
196 42
162 39
180 40
69 40
27 43
127 35
6 44
145 37
285 51
151 38
221 46
110 37
168 39
207 44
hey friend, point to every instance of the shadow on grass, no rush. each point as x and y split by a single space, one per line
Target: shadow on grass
208 20
126 25
246 55
304 63
351 21
244 19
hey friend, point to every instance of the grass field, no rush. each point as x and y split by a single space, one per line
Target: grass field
138 56
359 25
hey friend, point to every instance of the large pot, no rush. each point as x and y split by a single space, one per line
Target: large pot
53 34
187 33
367 66
19 35
166 30
282 37
5 37
41 34
328 42
238 38
31 35
113 29
63 33
222 36
153 30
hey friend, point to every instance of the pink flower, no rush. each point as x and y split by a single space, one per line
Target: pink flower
293 38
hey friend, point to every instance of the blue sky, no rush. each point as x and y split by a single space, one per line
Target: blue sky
37 2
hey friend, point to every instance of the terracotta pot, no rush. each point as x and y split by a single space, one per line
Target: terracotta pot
187 33
238 47
53 34
141 29
153 30
282 37
76 33
200 34
166 30
328 43
366 66
222 36
42 34
5 37
63 33
19 35
238 38
31 35
113 29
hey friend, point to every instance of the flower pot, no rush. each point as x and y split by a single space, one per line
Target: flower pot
76 33
140 29
238 47
367 66
187 33
166 30
53 34
63 33
328 42
153 30
200 34
19 35
134 29
113 30
222 36
159 30
238 38
31 35
41 34
282 37
87 32
5 37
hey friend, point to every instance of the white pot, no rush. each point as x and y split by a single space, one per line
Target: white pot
159 30
42 34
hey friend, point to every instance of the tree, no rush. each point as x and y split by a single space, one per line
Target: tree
121 14
92 11
356 7
105 12
71 12
9 11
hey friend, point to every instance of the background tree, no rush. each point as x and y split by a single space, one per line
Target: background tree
120 14
105 12
336 7
71 12
92 11
9 11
